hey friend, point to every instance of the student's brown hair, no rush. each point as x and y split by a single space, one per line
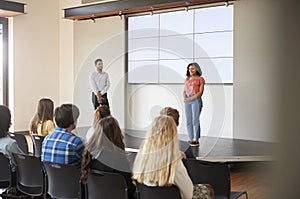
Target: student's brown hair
172 112
43 113
100 113
106 129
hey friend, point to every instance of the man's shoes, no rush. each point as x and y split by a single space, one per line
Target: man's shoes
194 143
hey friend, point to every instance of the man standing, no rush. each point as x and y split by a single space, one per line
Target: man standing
62 146
100 84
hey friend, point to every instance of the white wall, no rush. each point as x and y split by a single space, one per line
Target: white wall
257 69
66 53
102 39
35 59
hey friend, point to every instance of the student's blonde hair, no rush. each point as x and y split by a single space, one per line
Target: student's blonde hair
158 157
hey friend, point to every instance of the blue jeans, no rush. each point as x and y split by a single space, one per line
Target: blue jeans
192 115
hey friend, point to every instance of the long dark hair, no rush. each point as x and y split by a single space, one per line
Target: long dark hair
199 71
43 113
108 127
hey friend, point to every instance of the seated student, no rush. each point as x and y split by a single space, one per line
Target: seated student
7 144
105 151
101 112
199 189
42 121
158 162
183 145
63 146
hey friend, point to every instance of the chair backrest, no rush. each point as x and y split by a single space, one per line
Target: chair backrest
37 144
216 174
30 176
187 149
105 185
5 172
63 180
21 140
148 192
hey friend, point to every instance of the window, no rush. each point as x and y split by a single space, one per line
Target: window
162 45
3 61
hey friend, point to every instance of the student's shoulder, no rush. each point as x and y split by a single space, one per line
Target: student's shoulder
78 140
8 140
49 123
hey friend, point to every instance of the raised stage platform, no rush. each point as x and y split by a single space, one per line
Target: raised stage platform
213 148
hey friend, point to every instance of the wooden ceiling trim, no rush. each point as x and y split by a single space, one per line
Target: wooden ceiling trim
10 8
124 7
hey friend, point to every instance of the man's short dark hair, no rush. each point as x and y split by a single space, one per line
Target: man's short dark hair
5 120
66 115
96 61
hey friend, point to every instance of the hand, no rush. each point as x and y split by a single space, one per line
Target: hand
186 100
100 100
99 94
133 181
183 155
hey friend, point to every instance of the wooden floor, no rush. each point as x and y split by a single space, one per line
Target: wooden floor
252 177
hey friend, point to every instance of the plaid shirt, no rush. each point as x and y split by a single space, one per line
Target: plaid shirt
62 146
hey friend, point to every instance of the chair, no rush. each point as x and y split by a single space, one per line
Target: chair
216 174
37 144
5 172
102 184
63 180
148 192
21 139
30 176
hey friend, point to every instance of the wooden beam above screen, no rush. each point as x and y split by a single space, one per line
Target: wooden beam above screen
124 7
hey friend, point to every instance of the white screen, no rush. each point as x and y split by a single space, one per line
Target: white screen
174 39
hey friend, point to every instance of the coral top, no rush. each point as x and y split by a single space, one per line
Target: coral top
192 86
